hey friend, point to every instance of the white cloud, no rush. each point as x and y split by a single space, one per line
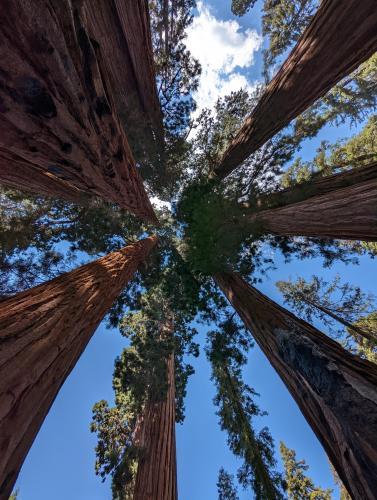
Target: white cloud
221 47
159 204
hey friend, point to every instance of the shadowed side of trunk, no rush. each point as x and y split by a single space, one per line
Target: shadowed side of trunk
58 116
43 332
341 36
336 391
156 477
125 55
349 213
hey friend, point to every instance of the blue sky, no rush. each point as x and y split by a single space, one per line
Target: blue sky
60 465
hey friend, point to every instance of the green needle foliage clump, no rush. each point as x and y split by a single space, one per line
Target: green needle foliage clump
225 486
298 485
235 400
215 228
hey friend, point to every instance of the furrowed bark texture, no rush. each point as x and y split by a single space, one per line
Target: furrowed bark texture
156 477
58 116
348 214
336 391
317 187
339 38
125 54
43 332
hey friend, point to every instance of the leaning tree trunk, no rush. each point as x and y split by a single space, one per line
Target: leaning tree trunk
43 332
354 328
349 213
318 186
336 391
341 36
156 477
59 123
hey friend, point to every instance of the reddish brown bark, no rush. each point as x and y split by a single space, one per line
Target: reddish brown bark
156 477
339 38
349 213
58 116
43 332
335 390
125 54
320 186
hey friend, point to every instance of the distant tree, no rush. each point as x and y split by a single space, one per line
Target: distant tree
298 485
283 22
366 348
355 152
237 408
225 486
240 7
177 77
331 302
127 434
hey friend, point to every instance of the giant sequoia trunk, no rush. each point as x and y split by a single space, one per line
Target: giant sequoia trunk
349 213
341 36
156 477
317 187
125 54
43 332
336 391
59 122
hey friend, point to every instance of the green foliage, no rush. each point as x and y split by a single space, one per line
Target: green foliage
240 7
225 486
364 347
215 228
298 485
115 451
283 22
332 158
32 229
14 495
235 399
177 77
336 305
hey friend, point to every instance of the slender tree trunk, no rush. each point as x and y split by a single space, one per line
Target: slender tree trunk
340 37
336 391
359 331
43 332
156 477
59 123
349 213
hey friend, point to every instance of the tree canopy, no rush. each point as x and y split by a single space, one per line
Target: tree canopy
207 226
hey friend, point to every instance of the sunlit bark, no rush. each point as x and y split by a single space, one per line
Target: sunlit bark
339 38
43 332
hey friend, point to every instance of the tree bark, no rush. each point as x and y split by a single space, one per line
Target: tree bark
336 391
349 213
156 477
125 54
43 332
339 38
317 187
58 115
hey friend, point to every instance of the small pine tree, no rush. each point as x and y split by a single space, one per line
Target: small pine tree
299 486
225 486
